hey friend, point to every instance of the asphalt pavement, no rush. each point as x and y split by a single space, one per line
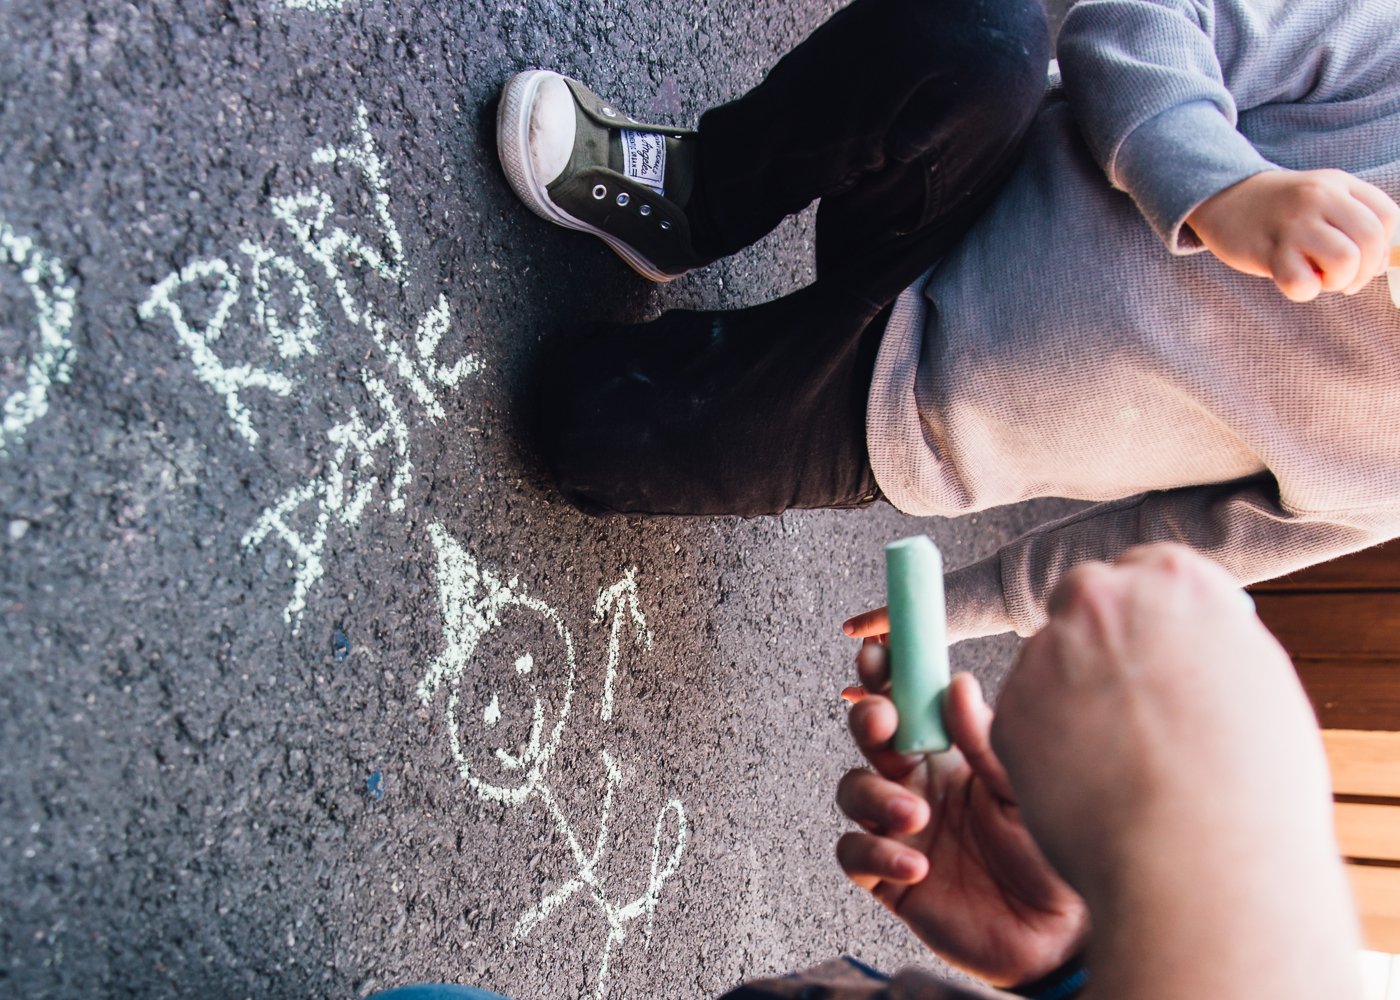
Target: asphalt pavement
281 573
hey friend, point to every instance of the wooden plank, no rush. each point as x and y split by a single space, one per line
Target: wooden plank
1353 693
1377 892
1376 568
1364 763
1334 625
1369 831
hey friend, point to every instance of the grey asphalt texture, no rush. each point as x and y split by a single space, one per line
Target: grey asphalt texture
270 365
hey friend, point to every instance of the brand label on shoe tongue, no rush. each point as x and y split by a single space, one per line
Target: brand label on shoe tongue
644 158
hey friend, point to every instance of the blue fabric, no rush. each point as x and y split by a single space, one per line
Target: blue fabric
869 970
437 991
1069 980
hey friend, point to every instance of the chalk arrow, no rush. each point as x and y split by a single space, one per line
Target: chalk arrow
614 600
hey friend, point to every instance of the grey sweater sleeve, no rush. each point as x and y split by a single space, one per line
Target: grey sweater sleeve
1241 525
1147 82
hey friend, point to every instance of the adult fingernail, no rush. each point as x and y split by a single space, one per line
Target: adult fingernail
901 812
906 866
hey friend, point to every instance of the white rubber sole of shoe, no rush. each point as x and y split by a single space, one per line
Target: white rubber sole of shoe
513 147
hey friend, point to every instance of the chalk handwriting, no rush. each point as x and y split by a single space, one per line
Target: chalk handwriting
369 451
227 381
52 357
510 764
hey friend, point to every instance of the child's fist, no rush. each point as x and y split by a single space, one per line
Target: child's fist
1311 231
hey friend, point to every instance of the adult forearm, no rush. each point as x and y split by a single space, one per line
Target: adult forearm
1167 761
1228 925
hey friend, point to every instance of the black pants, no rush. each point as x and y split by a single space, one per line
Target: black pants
904 117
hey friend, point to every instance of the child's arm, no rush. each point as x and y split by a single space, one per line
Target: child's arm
1243 525
1159 87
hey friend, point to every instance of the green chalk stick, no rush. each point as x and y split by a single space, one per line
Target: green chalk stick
918 643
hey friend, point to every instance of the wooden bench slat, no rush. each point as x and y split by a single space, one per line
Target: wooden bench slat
1377 892
1368 830
1364 763
1336 626
1353 693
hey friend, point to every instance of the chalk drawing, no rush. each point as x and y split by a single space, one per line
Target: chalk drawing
320 6
289 343
227 381
303 517
615 598
369 452
475 602
52 359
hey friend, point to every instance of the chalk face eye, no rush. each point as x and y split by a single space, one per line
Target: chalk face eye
512 697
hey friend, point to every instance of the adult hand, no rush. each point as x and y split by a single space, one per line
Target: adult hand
873 671
944 847
1155 708
1311 231
1170 767
868 624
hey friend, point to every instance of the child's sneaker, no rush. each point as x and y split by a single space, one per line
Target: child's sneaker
579 162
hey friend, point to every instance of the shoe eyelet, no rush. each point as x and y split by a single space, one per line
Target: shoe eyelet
645 210
624 198
599 192
665 224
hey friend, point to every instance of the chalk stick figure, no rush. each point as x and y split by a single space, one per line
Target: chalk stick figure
524 716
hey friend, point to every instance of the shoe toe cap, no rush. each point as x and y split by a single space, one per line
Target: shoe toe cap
552 128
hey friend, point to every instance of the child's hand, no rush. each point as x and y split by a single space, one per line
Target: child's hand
944 847
1311 231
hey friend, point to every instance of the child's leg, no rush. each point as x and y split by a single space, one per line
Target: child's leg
898 113
904 117
748 412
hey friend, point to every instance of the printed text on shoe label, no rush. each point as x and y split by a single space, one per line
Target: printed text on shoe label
644 158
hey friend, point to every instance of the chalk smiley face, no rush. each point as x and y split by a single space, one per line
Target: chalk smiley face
515 697
509 665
